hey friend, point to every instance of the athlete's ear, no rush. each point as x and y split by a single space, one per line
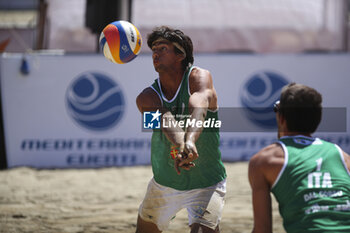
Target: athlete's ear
181 56
282 118
282 121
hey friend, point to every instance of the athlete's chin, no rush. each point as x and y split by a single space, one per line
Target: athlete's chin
158 68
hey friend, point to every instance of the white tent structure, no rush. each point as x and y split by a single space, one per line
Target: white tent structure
251 25
259 26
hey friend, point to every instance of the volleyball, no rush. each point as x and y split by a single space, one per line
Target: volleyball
120 42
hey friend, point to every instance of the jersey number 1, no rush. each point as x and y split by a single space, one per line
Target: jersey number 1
319 179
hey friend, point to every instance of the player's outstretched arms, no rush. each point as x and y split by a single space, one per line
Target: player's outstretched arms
203 96
148 100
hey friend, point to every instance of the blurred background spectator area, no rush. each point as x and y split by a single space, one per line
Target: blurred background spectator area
253 26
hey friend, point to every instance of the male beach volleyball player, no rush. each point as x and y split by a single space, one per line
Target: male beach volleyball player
194 178
309 177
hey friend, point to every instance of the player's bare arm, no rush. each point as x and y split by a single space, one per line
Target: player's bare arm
264 168
148 100
203 97
347 160
176 136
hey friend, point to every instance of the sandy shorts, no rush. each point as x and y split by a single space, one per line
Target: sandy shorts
204 206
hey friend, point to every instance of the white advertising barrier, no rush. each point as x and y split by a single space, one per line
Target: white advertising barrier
255 80
79 110
48 123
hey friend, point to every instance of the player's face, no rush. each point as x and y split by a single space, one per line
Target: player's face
163 55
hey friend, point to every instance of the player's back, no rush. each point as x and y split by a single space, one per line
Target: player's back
313 187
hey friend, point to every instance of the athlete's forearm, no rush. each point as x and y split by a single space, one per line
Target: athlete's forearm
174 134
198 105
193 132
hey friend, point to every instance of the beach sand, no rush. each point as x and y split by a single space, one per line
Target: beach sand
104 200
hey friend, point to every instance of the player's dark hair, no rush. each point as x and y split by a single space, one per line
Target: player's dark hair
174 35
301 106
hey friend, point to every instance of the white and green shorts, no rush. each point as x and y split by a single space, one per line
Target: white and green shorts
204 206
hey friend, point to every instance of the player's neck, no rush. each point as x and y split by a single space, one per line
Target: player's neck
284 131
170 82
287 133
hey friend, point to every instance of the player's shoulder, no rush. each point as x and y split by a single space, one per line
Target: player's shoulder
268 163
200 79
346 157
270 154
198 72
148 100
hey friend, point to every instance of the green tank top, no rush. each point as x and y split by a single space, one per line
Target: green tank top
313 187
209 168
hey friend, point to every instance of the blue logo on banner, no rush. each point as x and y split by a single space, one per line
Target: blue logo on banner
95 101
259 94
151 120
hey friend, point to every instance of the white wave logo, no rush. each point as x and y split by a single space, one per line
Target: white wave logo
95 101
259 94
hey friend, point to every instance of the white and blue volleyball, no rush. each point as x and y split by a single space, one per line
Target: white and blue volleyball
120 42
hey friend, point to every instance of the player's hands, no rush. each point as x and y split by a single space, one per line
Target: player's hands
179 158
190 150
188 153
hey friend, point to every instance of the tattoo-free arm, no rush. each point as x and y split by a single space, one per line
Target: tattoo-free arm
264 168
174 133
148 100
202 98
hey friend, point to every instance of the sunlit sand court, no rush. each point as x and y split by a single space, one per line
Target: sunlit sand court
104 200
